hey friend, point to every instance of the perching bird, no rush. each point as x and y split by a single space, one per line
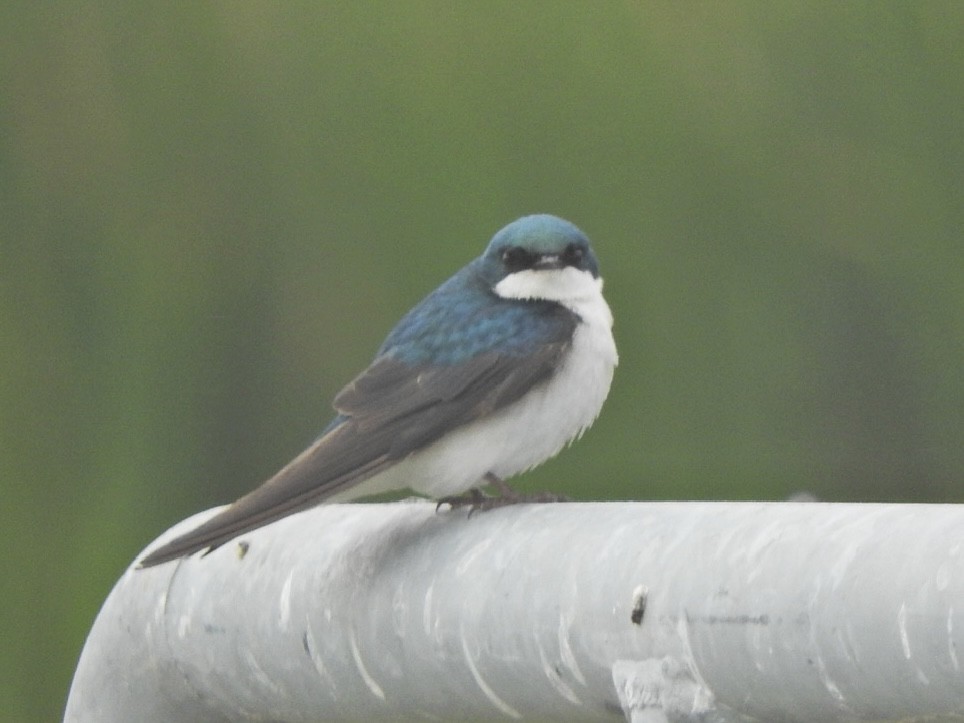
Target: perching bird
491 374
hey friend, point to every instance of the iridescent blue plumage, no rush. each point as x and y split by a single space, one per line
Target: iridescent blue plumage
538 234
463 318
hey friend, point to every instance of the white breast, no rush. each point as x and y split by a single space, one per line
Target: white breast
542 422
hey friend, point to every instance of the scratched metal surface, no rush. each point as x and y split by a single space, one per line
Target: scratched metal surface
653 611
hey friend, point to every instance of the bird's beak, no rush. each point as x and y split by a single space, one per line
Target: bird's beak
548 261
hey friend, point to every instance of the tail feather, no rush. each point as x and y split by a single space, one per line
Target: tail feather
296 487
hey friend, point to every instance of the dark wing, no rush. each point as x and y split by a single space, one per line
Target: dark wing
391 410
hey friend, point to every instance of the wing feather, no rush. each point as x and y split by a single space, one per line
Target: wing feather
390 411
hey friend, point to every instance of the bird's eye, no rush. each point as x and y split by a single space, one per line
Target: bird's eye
516 259
573 254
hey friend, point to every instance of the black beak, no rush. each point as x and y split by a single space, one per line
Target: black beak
548 261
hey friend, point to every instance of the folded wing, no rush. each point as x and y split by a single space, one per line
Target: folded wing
388 412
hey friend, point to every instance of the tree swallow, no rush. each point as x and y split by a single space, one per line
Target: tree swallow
491 374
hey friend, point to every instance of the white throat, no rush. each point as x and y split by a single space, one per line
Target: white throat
577 290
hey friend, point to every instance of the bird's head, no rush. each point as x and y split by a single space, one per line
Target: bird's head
541 257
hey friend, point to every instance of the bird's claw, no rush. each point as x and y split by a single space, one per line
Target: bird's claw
477 501
471 499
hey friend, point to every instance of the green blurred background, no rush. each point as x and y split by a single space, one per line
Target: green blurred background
212 213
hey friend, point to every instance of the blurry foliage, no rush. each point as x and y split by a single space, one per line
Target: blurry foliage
213 212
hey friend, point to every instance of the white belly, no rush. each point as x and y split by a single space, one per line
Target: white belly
529 431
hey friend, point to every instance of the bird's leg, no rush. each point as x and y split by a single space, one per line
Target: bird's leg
505 491
508 496
471 499
476 500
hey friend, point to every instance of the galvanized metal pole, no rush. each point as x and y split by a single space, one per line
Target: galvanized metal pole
652 611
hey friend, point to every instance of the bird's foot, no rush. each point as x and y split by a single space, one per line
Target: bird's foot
471 499
476 500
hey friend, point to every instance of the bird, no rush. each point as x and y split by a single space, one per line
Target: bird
493 373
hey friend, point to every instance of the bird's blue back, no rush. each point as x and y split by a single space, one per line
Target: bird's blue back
464 318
